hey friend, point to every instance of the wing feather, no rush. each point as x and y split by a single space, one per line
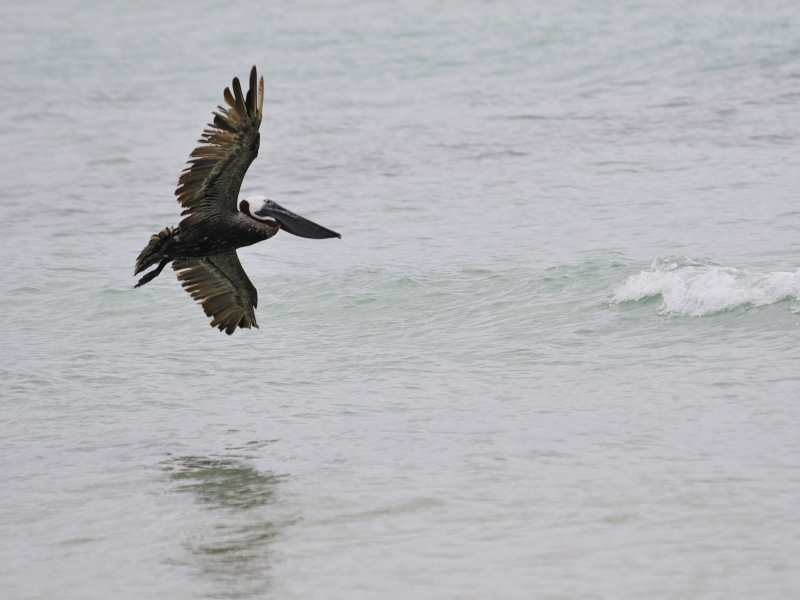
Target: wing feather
241 107
208 187
222 288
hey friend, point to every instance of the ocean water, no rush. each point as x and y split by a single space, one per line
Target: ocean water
554 355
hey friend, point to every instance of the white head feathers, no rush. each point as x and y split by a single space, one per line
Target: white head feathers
251 204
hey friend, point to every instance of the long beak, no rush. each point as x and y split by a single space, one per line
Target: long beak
295 224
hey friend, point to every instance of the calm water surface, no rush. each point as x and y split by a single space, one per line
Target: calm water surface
555 354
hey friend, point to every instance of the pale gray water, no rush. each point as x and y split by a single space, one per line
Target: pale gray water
555 354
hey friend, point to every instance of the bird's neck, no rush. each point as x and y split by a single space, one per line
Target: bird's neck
259 230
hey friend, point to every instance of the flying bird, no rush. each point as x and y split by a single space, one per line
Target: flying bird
202 248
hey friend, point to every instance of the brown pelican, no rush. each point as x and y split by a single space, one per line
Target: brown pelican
202 248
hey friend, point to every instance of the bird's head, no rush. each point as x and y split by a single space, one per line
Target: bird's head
262 209
252 204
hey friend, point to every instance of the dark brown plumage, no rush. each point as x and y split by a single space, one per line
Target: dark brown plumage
221 286
203 246
209 186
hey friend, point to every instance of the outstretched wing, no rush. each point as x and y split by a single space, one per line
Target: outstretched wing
221 286
209 185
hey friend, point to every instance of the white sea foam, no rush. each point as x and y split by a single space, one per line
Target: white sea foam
698 288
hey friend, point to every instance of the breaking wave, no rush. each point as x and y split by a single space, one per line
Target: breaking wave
699 288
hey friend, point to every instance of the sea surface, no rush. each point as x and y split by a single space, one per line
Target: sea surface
555 355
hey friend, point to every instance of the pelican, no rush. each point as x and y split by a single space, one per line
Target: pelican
202 248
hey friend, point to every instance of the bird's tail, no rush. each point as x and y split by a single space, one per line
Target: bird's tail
153 253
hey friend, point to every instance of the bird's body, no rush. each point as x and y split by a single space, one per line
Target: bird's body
202 249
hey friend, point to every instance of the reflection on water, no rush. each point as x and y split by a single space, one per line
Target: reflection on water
231 542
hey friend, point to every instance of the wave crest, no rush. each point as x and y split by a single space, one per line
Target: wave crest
698 288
